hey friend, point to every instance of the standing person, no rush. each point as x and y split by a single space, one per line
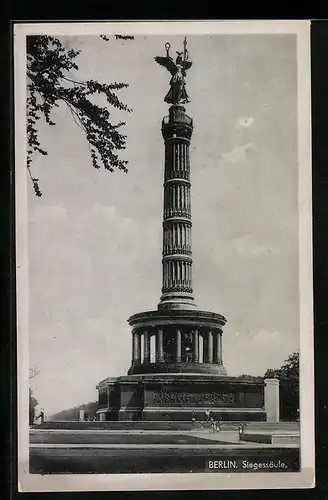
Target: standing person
241 429
207 415
213 424
42 415
193 417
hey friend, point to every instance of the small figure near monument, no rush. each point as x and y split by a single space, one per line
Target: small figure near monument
213 425
40 416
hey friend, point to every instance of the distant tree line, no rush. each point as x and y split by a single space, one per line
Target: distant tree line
74 413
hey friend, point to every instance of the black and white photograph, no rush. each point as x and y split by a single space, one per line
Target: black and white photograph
164 255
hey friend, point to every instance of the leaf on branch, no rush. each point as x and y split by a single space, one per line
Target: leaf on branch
36 187
48 70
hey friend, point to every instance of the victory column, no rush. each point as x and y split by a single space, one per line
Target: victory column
171 377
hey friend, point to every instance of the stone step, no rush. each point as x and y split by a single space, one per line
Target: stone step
165 425
273 425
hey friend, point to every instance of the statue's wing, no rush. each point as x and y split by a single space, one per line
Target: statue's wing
187 65
168 63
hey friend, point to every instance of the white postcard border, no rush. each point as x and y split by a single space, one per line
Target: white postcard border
182 481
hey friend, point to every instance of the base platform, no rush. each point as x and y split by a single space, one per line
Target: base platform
181 397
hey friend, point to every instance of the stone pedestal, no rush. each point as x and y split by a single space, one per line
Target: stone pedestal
109 394
131 400
271 399
174 397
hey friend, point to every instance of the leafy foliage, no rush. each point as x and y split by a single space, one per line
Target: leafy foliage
33 403
288 375
49 67
249 378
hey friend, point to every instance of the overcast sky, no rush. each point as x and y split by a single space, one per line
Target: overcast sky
95 237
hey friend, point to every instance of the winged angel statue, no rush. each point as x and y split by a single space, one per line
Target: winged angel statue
177 93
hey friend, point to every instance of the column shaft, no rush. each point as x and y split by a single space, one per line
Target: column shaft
159 347
195 346
146 347
210 347
216 348
177 276
137 347
205 348
178 346
133 348
220 349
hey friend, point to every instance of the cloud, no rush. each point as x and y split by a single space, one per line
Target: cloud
126 224
244 122
146 234
248 246
49 212
268 338
105 210
239 153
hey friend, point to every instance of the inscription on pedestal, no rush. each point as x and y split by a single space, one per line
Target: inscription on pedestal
164 398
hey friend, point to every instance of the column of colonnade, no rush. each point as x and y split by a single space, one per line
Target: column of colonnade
212 346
